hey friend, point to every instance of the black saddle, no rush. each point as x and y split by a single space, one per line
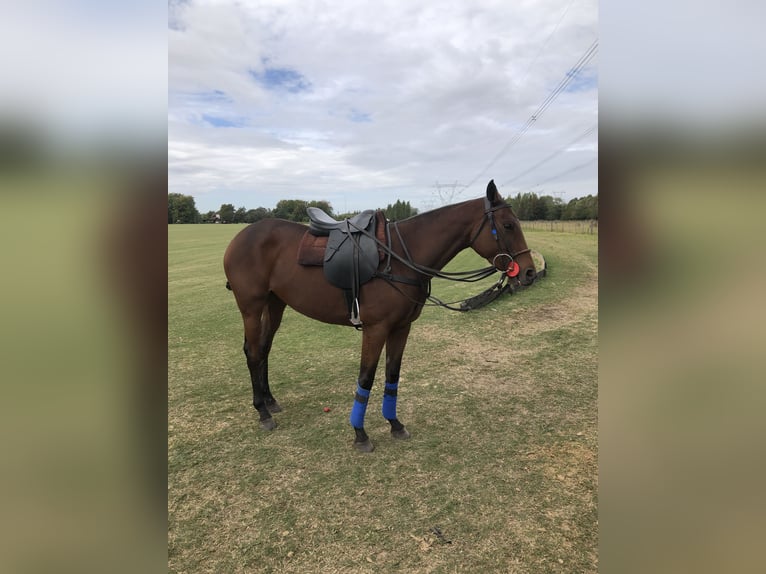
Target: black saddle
322 224
351 257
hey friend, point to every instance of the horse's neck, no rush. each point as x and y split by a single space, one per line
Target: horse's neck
434 238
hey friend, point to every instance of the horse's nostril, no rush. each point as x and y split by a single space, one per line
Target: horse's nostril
529 274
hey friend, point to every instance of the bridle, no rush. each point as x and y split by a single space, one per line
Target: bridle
512 270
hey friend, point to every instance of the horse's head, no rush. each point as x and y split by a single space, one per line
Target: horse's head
499 239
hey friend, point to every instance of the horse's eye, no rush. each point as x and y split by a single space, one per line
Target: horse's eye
508 226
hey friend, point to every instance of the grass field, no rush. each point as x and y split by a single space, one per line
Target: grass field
500 474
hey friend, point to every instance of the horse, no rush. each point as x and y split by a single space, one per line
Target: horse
264 275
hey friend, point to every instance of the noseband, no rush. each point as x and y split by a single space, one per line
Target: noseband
489 211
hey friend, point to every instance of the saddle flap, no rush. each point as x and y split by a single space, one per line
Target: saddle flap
350 261
335 243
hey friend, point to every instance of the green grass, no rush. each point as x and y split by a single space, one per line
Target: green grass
501 404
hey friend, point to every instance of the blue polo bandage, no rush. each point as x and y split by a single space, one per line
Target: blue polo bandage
389 401
360 407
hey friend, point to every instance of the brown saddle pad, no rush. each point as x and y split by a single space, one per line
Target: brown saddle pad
312 248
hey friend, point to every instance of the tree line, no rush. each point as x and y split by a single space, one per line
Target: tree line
528 207
181 209
531 207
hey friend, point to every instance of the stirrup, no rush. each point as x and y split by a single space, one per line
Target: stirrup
355 321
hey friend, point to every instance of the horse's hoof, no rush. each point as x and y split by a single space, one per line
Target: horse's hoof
273 407
400 434
268 424
365 446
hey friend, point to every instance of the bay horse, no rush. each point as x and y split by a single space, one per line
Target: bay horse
262 269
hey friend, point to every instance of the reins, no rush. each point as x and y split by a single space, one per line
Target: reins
462 276
471 276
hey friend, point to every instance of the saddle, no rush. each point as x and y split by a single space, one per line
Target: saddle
348 255
322 224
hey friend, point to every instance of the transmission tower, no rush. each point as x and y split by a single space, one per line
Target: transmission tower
448 192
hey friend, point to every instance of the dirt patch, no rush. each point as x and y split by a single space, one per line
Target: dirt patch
503 348
579 303
566 463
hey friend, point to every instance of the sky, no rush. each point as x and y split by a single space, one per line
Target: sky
364 103
691 74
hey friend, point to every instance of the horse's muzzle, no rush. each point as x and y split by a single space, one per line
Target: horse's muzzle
528 276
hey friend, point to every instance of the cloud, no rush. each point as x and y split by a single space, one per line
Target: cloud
331 99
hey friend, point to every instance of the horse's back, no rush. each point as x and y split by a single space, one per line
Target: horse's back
266 234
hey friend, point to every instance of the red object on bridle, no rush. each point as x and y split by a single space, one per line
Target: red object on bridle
513 269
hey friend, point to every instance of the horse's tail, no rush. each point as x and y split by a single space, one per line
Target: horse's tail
228 286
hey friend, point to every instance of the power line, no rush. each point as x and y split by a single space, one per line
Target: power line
568 78
557 153
545 44
568 171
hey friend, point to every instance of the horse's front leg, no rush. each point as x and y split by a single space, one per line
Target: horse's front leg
373 339
395 344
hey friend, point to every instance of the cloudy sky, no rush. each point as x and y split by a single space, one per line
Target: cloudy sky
364 103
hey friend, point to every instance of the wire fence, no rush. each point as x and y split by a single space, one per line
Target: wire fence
589 226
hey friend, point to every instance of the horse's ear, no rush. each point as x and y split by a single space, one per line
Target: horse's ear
492 194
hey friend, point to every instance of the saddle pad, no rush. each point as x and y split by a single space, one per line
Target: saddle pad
311 250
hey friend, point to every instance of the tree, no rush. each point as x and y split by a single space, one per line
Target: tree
227 213
551 208
254 215
581 208
295 209
181 209
209 217
525 205
537 208
239 215
556 208
528 206
590 210
399 210
291 209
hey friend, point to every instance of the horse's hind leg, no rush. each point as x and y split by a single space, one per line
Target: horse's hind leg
254 318
394 352
272 318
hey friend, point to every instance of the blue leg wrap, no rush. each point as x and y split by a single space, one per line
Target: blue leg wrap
389 401
360 407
